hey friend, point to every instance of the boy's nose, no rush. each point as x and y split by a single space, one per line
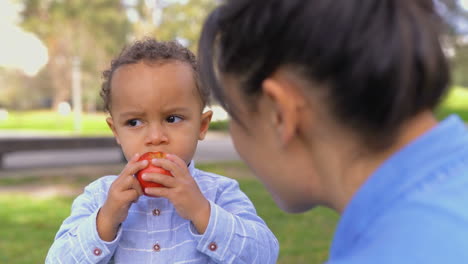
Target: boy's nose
157 135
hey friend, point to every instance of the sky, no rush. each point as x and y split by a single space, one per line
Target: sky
464 4
19 49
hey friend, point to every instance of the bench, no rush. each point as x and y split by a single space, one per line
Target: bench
17 144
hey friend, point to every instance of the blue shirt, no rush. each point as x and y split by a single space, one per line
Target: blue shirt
414 208
154 233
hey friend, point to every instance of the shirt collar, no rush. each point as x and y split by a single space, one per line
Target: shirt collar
393 177
191 168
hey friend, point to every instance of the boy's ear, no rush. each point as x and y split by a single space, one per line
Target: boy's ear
110 123
205 123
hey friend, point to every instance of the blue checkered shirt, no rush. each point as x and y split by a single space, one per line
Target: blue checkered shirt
154 233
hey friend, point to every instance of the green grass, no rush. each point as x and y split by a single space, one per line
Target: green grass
28 224
52 122
455 102
94 123
304 238
219 125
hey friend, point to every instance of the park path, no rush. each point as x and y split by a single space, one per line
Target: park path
216 147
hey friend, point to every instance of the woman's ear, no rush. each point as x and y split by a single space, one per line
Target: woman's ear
205 123
110 123
285 101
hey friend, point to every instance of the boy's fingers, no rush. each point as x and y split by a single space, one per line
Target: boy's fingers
134 167
168 165
133 160
135 157
131 195
126 178
137 187
126 183
158 191
165 180
178 161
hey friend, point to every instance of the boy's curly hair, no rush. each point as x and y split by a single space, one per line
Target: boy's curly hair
148 49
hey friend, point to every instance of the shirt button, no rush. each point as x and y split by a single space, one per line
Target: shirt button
156 212
156 247
212 246
97 251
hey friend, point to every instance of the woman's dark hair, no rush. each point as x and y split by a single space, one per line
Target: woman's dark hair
152 51
381 61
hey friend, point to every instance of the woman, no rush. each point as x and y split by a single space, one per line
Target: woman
332 104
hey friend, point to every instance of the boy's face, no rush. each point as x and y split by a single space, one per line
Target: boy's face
156 107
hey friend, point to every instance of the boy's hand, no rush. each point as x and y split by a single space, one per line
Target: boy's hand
124 191
181 190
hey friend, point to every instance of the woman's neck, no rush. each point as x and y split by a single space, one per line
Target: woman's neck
351 169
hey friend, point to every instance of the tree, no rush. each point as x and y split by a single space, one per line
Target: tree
172 20
456 22
93 31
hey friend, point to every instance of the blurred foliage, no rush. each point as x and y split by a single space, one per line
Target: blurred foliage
94 32
171 20
220 125
454 16
456 28
18 91
460 66
185 21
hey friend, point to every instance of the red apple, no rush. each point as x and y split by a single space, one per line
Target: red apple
151 168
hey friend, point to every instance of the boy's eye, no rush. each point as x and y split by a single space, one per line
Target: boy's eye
173 119
133 122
